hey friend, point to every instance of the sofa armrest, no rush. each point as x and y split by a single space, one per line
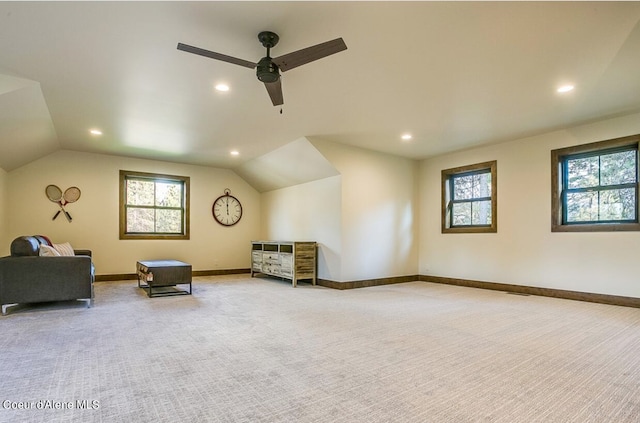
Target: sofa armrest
37 279
82 252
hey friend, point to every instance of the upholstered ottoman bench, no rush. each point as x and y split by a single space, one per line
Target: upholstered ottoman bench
160 277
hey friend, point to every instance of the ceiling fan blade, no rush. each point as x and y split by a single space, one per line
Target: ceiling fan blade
309 54
217 56
275 92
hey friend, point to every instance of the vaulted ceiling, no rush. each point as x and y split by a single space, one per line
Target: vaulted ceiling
453 74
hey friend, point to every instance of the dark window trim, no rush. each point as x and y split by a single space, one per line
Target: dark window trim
558 179
447 201
156 177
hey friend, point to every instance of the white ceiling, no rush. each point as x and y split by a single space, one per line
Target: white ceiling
454 74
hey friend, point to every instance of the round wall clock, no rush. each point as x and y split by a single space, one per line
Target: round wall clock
227 209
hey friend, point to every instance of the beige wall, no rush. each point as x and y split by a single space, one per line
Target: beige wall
308 212
4 241
379 235
379 218
96 215
524 251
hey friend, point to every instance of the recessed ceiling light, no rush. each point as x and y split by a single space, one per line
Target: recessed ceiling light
406 137
222 87
95 132
565 88
235 153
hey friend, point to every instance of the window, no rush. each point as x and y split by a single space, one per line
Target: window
469 199
153 206
595 186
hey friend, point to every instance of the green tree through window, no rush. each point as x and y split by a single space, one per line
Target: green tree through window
595 186
601 187
153 206
471 202
469 198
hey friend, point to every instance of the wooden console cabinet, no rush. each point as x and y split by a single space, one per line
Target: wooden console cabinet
288 260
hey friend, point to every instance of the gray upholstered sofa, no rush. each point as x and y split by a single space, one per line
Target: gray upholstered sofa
26 277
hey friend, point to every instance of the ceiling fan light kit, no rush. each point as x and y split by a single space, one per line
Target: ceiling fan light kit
267 71
268 68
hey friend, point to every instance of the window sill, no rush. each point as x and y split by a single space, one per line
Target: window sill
153 236
597 227
471 230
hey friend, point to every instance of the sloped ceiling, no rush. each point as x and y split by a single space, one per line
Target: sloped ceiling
26 129
453 74
292 164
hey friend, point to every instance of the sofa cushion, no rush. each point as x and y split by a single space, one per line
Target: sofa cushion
64 249
47 251
25 246
44 240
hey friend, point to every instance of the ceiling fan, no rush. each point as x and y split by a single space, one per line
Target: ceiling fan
267 69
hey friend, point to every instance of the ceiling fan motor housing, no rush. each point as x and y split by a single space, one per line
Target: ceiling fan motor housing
267 71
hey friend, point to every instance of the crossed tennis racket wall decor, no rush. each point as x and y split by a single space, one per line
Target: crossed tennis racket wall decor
71 195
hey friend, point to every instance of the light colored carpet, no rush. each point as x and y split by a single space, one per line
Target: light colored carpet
258 350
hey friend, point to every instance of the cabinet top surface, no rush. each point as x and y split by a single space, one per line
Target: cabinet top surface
283 242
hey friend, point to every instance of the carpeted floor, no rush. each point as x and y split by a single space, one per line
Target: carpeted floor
258 350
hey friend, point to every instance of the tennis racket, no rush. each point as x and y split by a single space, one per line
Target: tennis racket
71 195
54 194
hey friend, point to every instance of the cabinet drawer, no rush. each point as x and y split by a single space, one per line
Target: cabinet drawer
271 269
272 257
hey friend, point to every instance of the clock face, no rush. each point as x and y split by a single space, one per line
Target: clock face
227 210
